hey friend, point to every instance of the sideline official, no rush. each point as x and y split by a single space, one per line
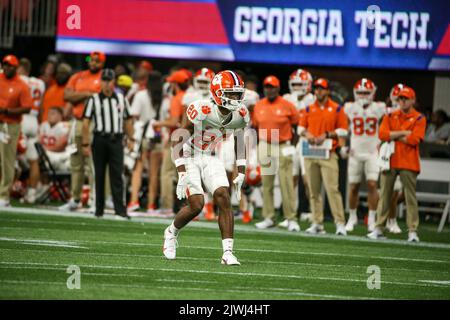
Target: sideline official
110 112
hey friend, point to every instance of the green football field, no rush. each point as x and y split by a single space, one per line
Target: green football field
123 260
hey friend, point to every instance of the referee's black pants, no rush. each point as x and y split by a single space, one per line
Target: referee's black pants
107 150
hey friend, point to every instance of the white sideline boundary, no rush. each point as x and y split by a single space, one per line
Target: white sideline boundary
209 225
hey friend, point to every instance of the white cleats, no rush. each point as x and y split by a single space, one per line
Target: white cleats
265 224
316 229
230 259
70 206
170 245
412 236
351 223
376 234
340 229
392 226
293 226
284 224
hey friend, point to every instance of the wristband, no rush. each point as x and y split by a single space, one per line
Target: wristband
241 162
180 162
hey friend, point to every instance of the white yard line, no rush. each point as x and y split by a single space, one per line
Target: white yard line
326 265
245 274
244 290
307 253
241 228
44 242
442 282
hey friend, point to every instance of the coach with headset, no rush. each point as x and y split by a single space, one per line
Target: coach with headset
110 112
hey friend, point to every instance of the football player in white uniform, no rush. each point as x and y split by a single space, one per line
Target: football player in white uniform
30 126
200 91
53 135
193 145
300 86
364 115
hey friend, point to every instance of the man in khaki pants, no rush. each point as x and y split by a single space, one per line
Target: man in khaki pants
15 100
80 87
276 119
404 127
324 119
180 82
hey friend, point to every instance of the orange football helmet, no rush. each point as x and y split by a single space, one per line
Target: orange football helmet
202 79
300 82
364 91
227 89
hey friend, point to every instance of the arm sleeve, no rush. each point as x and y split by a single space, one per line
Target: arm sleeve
418 133
385 132
89 108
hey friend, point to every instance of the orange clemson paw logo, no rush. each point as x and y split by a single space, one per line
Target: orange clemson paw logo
206 109
243 112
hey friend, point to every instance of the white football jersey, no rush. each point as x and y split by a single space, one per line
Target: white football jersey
364 123
50 136
210 126
193 95
37 89
307 100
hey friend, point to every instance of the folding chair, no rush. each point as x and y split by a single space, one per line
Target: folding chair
46 166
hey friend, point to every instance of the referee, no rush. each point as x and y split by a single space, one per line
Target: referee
110 112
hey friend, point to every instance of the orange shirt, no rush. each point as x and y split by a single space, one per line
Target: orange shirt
277 115
317 119
53 97
176 107
84 81
14 93
406 155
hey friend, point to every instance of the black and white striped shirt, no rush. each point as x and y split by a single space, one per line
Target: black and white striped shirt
108 113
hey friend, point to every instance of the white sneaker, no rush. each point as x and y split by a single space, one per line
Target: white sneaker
293 226
284 224
351 223
4 203
376 234
70 206
305 216
170 245
392 226
229 259
265 224
109 204
30 196
412 236
341 229
316 229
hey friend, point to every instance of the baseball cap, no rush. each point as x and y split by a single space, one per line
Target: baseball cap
179 76
321 82
407 92
125 81
108 74
146 65
272 81
11 60
101 55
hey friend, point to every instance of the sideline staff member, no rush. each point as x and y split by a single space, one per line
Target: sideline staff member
111 113
275 115
405 126
324 119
